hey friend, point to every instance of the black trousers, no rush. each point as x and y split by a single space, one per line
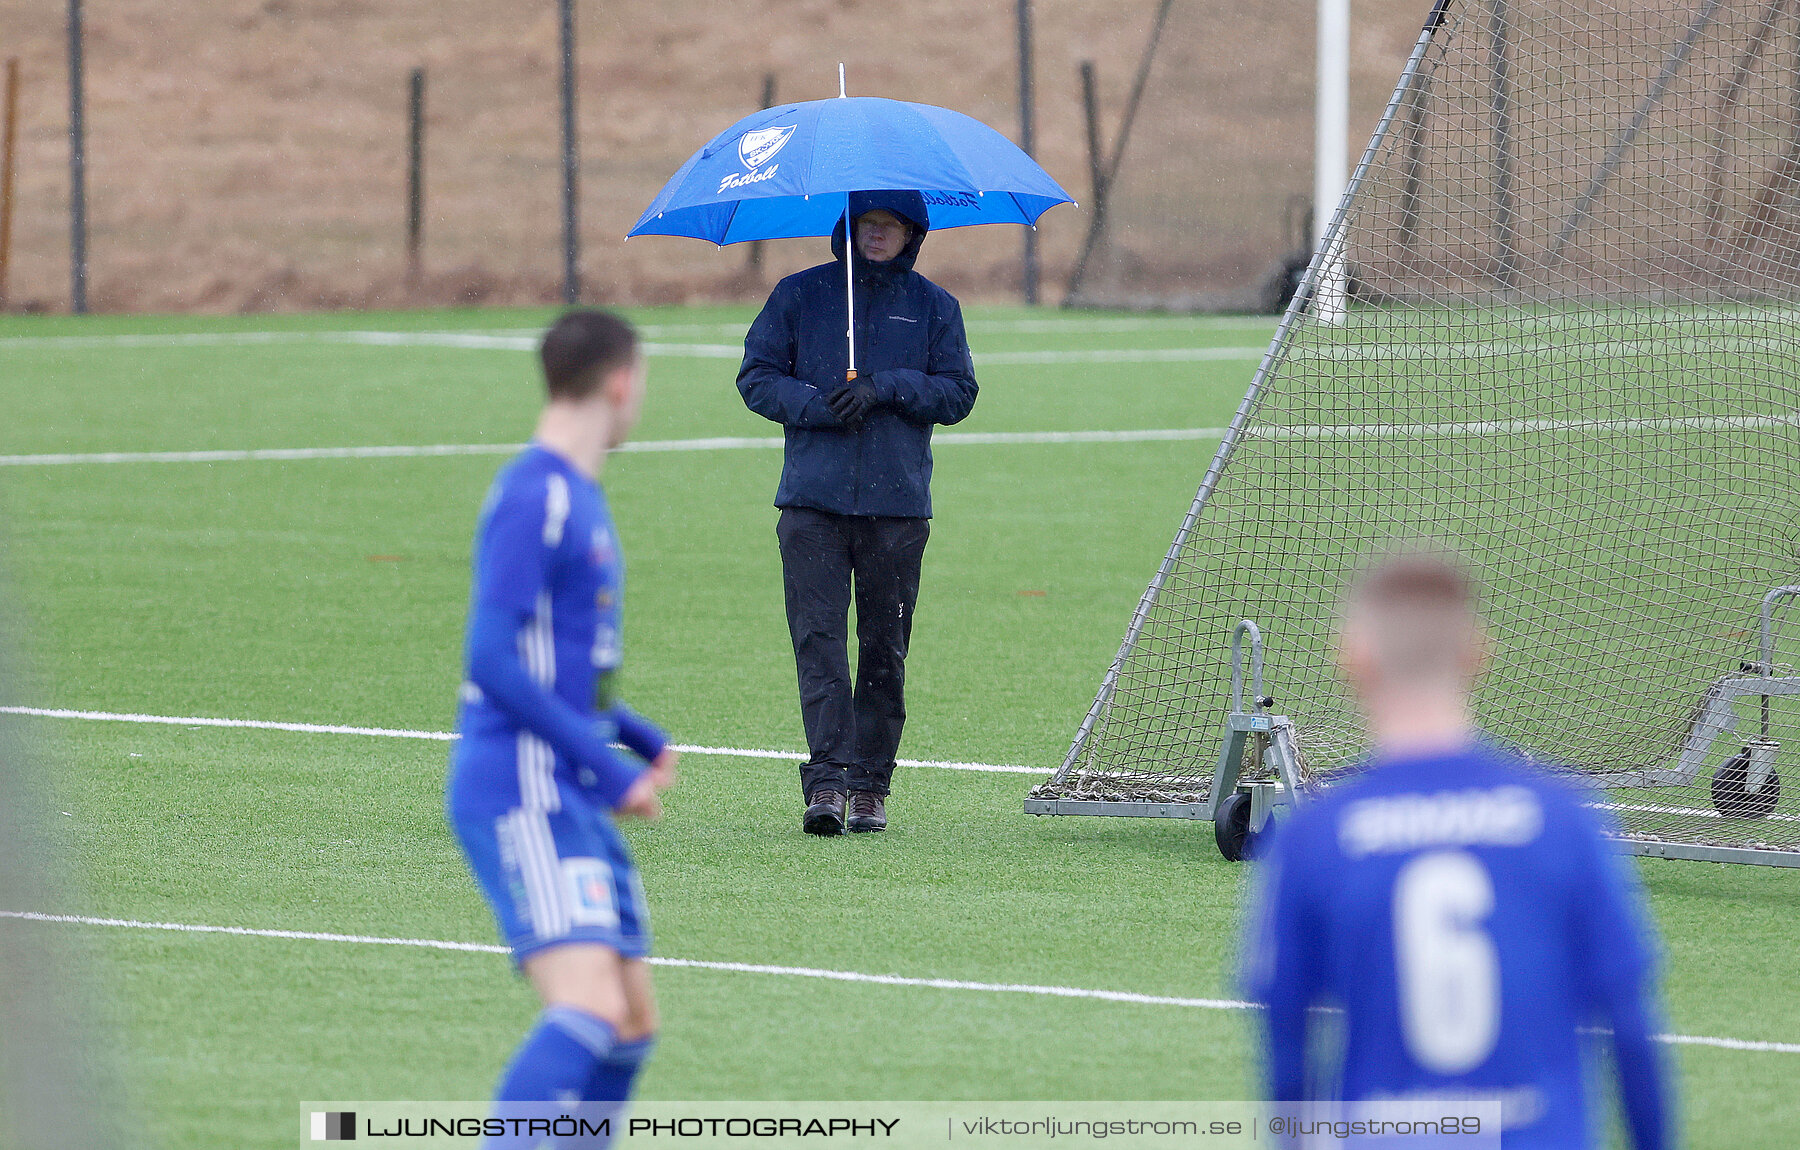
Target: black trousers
852 734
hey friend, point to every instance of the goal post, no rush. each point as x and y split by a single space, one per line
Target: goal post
1568 346
1331 144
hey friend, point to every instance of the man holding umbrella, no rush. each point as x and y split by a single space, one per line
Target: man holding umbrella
858 399
855 491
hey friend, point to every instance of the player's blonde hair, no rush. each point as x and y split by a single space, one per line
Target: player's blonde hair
1415 611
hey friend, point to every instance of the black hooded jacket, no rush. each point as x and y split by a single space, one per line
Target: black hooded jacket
910 346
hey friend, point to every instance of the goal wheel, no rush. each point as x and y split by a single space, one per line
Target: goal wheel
1731 794
1231 827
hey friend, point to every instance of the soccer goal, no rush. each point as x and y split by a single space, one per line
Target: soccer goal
1555 323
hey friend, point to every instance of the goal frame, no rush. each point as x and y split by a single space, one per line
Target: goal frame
1327 253
1315 291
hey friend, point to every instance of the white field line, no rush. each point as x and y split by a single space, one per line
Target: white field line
1060 326
202 721
1506 427
234 455
731 351
936 764
1695 812
1529 348
1730 1043
1579 323
651 446
480 341
252 932
1149 435
796 972
690 963
448 736
1624 322
466 341
1120 355
1595 323
684 748
735 353
1514 427
526 338
1098 326
1525 346
475 341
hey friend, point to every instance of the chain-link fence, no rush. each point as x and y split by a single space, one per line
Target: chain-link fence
253 153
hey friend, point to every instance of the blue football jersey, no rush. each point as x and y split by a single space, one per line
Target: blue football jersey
1467 916
547 559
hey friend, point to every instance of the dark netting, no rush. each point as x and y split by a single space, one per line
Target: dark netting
1569 348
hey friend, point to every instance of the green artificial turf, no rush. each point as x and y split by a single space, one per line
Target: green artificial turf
332 591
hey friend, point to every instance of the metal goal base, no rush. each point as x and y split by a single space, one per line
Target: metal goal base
1144 810
1759 856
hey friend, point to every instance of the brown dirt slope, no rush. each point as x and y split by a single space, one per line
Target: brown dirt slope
249 154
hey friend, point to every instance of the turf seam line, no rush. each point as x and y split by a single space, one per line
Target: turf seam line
1753 1045
447 736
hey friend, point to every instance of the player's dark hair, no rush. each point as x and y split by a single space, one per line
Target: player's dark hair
581 348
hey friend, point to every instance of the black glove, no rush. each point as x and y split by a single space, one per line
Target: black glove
852 402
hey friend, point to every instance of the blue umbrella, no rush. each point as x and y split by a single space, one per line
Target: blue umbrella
788 172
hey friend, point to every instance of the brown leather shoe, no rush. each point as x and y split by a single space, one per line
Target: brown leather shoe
824 813
868 811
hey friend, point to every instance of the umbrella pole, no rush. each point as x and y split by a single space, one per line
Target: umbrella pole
849 290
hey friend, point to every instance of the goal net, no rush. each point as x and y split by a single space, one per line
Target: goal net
1555 323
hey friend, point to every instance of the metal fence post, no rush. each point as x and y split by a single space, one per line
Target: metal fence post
571 161
9 135
754 261
1090 107
415 172
1097 221
78 301
1027 131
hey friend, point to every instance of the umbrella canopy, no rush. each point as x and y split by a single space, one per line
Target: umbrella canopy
787 172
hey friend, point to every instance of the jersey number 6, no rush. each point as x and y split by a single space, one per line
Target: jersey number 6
1449 972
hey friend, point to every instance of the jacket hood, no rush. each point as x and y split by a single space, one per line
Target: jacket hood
909 206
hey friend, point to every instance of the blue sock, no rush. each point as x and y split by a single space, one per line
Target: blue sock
612 1078
558 1057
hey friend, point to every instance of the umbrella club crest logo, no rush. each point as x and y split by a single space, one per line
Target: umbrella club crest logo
755 148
